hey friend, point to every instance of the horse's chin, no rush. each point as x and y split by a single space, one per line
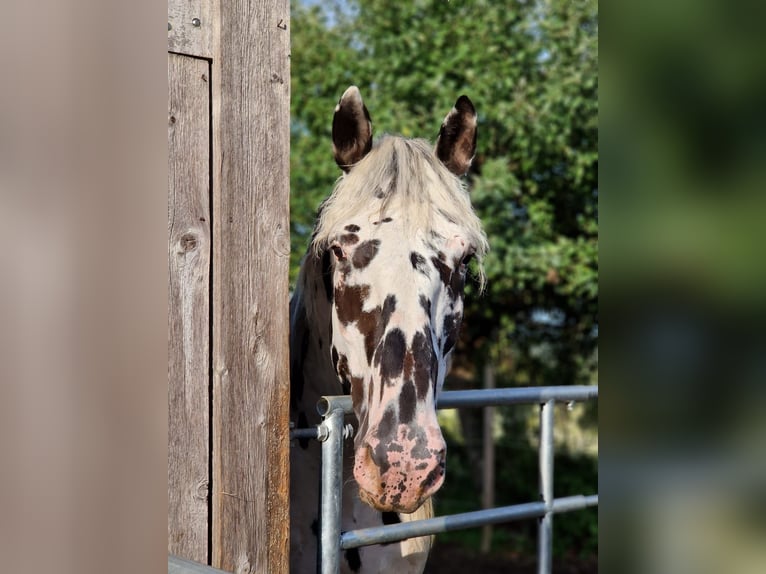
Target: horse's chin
376 503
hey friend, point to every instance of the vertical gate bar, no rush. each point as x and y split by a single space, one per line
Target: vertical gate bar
545 532
332 486
488 461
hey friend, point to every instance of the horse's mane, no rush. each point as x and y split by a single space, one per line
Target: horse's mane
406 176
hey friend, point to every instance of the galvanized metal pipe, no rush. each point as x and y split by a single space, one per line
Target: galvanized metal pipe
331 433
515 396
331 403
311 432
440 524
545 528
485 397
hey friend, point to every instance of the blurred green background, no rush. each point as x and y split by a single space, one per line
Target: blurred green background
531 69
683 418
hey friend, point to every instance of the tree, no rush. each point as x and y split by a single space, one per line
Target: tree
531 70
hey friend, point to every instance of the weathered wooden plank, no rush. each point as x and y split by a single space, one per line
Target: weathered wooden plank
251 75
189 249
190 27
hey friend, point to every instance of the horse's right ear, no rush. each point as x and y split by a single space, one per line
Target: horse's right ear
456 144
351 129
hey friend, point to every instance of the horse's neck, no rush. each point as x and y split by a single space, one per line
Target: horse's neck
311 372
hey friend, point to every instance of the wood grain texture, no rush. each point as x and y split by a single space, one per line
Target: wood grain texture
183 36
189 248
251 119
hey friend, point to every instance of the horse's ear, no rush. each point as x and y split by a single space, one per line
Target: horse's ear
351 129
457 137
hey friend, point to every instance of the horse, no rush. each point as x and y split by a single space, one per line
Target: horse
375 314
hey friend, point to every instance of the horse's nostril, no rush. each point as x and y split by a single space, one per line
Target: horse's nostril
373 456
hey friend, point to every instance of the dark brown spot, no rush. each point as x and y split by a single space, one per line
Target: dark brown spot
409 364
386 433
426 363
372 325
357 392
445 273
390 355
365 253
407 403
349 239
420 451
454 282
419 263
389 306
349 301
352 228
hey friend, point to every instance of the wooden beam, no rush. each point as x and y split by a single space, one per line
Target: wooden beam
251 248
189 249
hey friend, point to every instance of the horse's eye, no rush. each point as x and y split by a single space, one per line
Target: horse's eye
338 251
467 259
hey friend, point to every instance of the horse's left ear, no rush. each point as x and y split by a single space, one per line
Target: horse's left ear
456 144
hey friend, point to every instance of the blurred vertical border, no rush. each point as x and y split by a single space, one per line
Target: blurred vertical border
83 287
683 287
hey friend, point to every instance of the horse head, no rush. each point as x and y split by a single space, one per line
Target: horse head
399 231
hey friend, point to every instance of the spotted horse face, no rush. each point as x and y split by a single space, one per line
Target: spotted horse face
398 297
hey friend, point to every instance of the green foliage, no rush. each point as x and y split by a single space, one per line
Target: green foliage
530 67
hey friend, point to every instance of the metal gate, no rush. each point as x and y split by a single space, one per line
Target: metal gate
332 433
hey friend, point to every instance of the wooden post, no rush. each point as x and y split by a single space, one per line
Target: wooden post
238 227
251 255
488 461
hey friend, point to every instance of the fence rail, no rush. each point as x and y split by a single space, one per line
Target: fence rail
332 433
